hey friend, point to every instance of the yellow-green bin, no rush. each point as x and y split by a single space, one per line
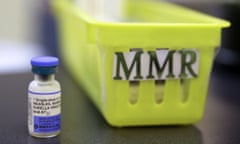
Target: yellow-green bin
152 68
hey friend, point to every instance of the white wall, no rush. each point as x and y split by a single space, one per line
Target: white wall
18 20
19 34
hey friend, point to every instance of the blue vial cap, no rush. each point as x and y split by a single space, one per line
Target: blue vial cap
44 65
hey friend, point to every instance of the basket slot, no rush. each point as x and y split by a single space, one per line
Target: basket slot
185 85
134 85
134 91
159 91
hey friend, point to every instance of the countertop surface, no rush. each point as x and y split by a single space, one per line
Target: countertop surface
83 124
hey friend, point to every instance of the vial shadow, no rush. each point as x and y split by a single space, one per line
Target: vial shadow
54 140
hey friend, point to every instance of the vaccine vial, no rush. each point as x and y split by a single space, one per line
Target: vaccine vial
44 99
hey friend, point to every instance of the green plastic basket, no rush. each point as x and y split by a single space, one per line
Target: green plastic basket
151 70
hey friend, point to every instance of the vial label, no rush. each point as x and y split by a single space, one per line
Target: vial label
44 111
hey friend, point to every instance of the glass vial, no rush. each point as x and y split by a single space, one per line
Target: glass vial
44 99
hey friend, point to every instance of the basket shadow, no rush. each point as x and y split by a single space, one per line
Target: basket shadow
83 123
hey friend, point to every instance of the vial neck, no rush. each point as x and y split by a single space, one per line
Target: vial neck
44 78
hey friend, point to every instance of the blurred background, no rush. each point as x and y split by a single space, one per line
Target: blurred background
28 28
